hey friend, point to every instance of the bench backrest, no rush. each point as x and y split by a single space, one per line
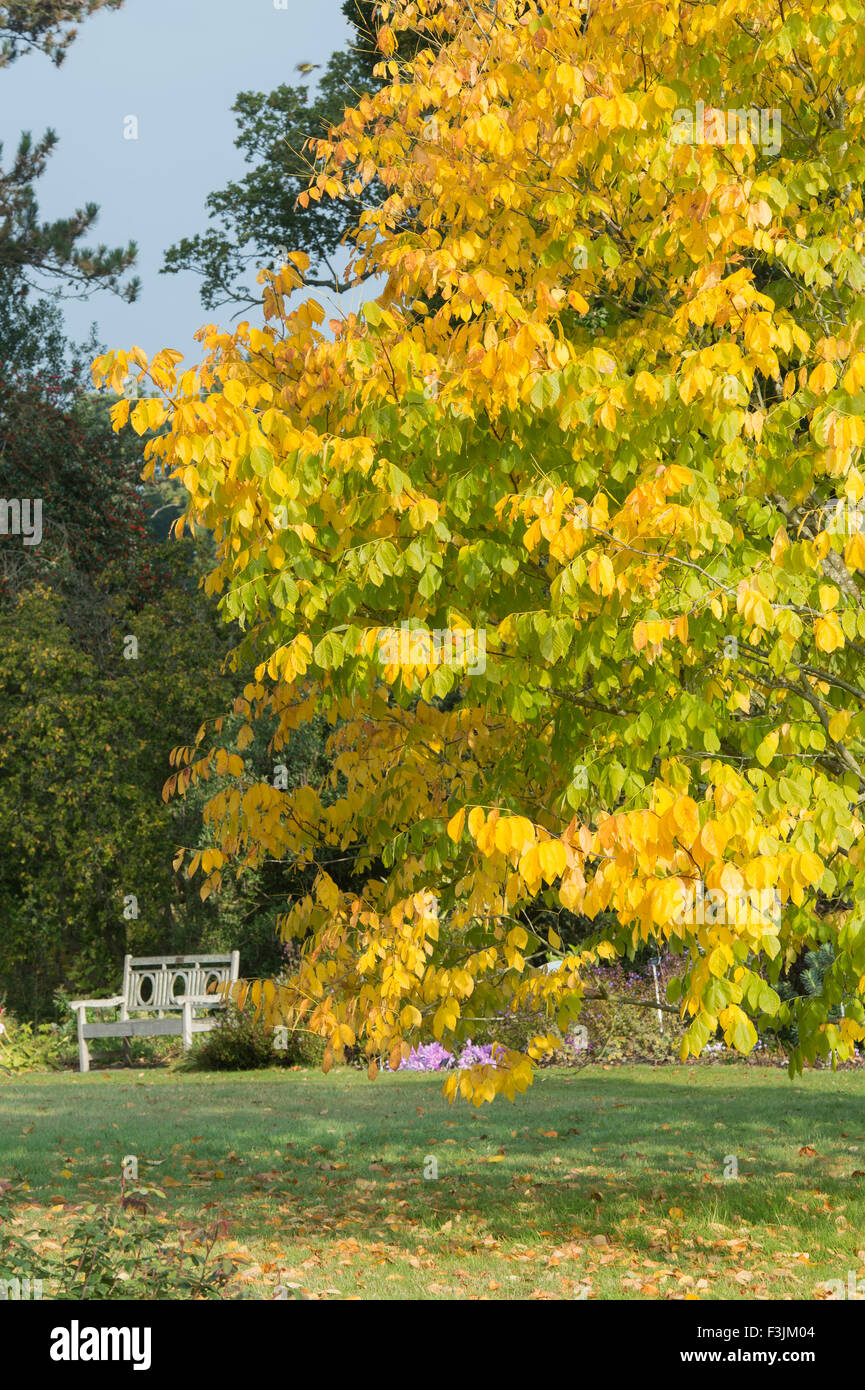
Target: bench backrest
162 983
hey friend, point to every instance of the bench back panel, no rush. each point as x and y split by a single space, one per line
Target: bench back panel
152 983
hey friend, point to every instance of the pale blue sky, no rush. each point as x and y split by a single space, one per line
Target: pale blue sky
177 65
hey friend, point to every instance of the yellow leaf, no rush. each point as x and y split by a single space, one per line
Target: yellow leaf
553 859
476 821
602 576
530 866
838 724
732 881
710 840
828 597
234 392
687 818
854 551
823 378
810 868
828 634
766 750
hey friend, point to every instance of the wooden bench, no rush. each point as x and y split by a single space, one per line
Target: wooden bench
181 995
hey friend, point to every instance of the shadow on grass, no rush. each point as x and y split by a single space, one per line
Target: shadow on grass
313 1159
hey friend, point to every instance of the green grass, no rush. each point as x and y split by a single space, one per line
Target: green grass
607 1179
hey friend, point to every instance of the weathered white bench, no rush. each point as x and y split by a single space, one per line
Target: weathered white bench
181 995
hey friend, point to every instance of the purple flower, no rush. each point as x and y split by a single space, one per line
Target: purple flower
478 1055
433 1057
427 1057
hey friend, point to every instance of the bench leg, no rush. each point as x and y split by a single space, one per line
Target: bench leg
187 1027
83 1050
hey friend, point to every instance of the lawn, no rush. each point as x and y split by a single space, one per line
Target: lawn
601 1183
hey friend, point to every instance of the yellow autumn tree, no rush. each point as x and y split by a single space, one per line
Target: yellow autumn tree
562 531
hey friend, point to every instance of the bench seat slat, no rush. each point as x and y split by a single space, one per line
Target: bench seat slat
145 1027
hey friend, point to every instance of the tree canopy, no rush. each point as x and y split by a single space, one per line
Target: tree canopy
561 533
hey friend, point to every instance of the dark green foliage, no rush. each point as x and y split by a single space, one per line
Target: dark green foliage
85 733
241 1042
95 537
33 343
804 982
814 969
84 742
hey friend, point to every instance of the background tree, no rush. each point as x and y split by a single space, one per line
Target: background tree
36 254
44 25
257 218
86 873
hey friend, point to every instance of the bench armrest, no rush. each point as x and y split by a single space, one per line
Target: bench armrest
96 1003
